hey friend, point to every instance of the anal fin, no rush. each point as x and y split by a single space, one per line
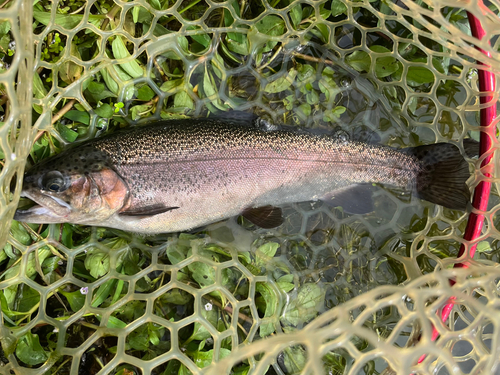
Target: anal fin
265 217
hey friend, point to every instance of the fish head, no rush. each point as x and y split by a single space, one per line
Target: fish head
76 187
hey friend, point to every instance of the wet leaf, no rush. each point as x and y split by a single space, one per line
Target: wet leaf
312 98
43 253
418 75
182 99
138 111
285 286
130 263
68 21
218 65
237 47
70 72
4 27
183 43
67 236
171 85
7 340
412 104
176 296
119 288
208 87
306 73
110 82
282 83
114 322
338 7
310 299
203 274
103 292
155 4
154 334
30 351
39 90
265 252
271 25
135 13
105 111
19 233
334 114
384 66
30 298
304 109
97 263
269 249
324 12
285 283
199 332
271 303
138 339
3 254
5 305
120 51
294 359
145 93
175 255
201 38
483 246
359 60
439 65
183 370
67 133
324 31
75 299
204 359
296 15
78 116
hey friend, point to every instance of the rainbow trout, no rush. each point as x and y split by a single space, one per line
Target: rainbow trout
181 174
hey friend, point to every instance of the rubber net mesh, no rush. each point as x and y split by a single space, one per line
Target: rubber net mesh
326 292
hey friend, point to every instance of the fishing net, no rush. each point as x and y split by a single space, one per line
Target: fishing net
325 293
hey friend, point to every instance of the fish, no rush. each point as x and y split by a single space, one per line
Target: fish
178 175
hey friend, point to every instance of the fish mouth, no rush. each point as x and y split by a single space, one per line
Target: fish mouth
48 209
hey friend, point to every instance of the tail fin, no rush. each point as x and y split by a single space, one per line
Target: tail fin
442 181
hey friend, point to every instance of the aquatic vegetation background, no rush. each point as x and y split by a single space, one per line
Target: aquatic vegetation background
91 300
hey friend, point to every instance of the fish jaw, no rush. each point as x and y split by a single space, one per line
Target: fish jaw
48 210
39 215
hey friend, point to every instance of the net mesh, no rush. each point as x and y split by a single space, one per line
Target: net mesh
326 292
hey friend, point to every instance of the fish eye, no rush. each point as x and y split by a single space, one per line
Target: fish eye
54 181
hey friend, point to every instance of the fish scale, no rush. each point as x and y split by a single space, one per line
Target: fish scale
153 159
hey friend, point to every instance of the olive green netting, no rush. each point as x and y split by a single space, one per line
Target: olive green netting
326 292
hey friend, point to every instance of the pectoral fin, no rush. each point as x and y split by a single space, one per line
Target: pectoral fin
151 210
353 200
265 217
